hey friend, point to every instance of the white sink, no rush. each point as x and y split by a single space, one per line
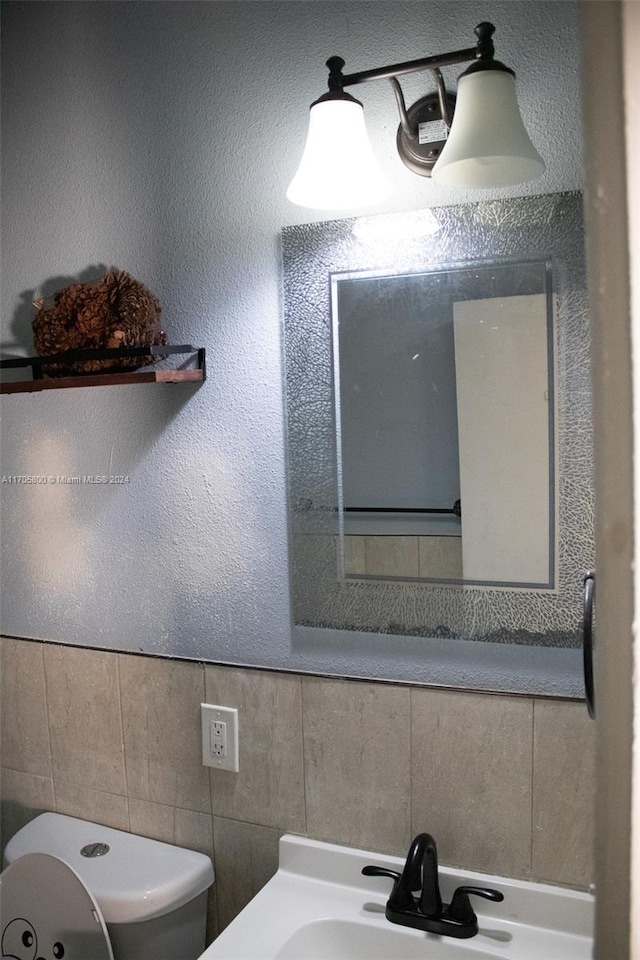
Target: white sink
318 906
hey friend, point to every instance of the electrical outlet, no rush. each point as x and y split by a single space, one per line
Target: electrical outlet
219 737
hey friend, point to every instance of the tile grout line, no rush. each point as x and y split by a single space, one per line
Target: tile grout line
301 681
533 777
215 899
411 706
122 742
48 719
209 770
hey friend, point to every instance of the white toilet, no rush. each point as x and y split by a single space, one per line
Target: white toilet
79 891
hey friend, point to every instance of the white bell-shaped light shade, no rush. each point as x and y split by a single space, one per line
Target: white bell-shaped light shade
338 170
488 145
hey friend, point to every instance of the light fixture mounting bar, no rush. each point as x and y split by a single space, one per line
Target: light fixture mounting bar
483 50
412 66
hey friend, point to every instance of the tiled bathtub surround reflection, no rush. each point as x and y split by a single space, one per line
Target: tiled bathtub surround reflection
504 783
403 556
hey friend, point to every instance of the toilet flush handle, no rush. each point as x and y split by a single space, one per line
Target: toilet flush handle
95 849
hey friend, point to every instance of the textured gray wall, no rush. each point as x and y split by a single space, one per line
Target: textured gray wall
159 138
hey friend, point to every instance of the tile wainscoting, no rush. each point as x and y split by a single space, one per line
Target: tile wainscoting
505 784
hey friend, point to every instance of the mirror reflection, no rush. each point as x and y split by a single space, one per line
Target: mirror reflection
444 397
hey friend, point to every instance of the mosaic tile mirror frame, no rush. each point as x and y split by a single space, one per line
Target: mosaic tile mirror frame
547 229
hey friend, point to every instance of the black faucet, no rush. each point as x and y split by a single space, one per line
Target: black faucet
427 911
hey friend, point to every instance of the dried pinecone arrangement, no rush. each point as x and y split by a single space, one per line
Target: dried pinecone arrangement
114 311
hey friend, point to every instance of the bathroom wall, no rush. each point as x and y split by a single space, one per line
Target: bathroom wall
159 138
504 783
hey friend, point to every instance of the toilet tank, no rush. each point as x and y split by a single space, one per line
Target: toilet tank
152 895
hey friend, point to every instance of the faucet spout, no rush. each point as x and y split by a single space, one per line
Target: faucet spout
421 874
430 899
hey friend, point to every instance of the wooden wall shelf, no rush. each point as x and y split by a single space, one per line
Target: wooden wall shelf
38 382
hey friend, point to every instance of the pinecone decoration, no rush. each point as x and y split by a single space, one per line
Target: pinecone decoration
114 311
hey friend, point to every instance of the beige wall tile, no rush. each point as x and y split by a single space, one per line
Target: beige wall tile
162 741
472 778
357 763
97 806
153 820
354 555
246 857
85 727
193 830
563 793
23 701
269 789
23 797
392 556
441 557
184 828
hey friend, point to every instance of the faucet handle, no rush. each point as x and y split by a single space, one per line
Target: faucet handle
460 909
399 898
372 871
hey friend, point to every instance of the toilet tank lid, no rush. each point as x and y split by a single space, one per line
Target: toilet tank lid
136 879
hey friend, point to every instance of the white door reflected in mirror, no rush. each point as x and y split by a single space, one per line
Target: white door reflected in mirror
445 411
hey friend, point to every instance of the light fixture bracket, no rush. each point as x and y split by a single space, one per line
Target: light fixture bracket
419 152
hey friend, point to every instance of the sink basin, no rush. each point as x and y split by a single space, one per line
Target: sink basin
318 906
350 940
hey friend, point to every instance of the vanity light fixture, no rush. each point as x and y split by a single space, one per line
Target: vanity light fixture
478 142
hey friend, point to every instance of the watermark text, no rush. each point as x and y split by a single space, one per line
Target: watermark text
29 479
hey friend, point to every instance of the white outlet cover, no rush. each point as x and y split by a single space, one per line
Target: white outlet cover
228 715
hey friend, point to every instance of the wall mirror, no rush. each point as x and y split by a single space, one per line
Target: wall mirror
444 405
441 367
